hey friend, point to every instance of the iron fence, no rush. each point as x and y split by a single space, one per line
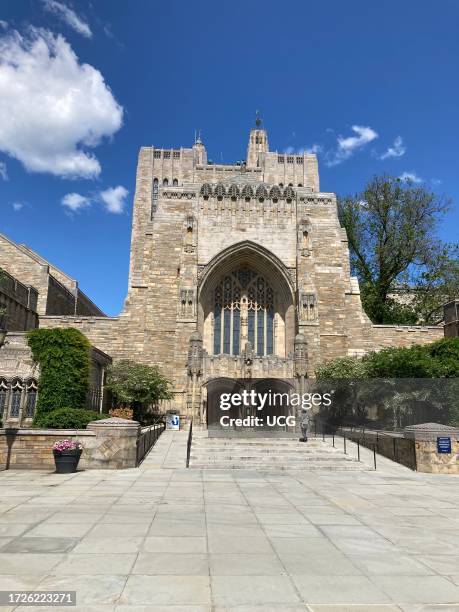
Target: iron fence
147 439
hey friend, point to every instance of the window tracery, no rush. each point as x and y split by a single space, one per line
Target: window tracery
243 312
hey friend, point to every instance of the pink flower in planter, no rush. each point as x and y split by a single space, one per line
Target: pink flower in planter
65 445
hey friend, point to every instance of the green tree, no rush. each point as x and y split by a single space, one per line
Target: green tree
391 228
138 386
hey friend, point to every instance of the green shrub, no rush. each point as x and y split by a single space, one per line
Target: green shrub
64 359
68 418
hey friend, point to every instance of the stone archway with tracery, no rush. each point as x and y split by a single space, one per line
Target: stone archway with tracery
246 300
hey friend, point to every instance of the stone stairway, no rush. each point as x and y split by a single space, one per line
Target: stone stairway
268 454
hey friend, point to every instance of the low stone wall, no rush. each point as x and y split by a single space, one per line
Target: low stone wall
108 444
426 440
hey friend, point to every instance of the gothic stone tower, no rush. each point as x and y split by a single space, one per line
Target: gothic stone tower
237 271
230 258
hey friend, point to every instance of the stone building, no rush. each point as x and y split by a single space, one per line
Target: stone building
52 291
237 272
31 287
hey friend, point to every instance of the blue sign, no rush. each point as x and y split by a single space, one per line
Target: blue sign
444 446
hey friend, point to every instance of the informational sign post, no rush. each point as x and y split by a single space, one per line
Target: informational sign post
172 420
443 445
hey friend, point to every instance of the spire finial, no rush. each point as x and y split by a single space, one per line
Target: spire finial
258 120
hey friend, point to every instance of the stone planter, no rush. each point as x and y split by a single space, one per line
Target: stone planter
66 461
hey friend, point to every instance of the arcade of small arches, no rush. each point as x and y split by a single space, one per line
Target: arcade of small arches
262 192
18 398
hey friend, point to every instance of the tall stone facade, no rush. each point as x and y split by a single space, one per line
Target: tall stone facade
237 271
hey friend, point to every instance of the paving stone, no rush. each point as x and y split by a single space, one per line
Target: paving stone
162 590
95 564
90 590
175 544
40 545
220 543
339 590
233 591
245 565
171 564
409 589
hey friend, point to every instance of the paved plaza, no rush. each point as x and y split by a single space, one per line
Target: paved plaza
164 538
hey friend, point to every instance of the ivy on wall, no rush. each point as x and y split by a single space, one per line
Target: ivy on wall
64 359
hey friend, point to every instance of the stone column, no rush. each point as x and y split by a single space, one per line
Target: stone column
194 366
300 368
432 442
115 444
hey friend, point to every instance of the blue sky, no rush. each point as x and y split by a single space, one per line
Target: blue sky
372 86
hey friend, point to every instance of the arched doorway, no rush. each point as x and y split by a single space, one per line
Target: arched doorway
267 400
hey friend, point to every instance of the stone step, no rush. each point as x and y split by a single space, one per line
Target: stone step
269 454
262 467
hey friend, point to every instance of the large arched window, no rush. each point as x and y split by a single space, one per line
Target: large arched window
243 312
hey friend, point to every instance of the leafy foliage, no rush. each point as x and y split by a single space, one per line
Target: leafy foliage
343 367
391 228
137 386
68 418
64 358
401 383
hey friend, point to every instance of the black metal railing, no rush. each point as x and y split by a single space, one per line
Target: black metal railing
147 439
189 443
388 444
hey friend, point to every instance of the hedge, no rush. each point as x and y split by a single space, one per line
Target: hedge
68 418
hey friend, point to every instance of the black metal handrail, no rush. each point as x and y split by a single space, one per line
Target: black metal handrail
380 442
189 443
148 439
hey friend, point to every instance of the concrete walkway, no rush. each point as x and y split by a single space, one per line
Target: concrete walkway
162 538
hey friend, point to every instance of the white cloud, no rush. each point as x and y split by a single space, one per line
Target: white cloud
114 199
69 16
51 106
3 24
316 148
17 206
3 172
410 177
396 150
75 202
349 145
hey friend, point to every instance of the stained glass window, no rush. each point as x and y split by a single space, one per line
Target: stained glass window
16 395
244 304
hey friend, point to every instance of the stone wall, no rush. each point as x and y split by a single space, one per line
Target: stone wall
108 444
20 302
385 336
428 458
